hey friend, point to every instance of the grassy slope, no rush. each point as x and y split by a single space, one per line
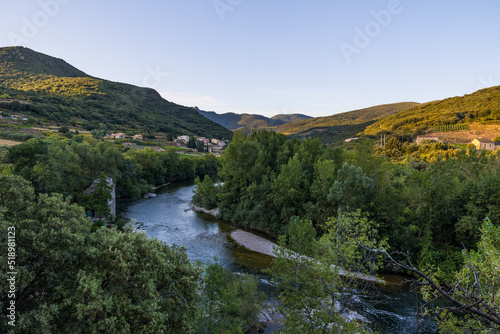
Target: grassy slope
481 106
341 126
62 93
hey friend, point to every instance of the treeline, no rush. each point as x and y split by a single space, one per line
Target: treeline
16 136
429 210
69 166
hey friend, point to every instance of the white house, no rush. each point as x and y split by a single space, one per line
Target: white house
184 139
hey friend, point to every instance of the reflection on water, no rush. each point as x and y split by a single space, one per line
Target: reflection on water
167 218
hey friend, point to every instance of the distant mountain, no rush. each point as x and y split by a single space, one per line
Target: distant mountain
289 118
481 106
51 89
341 126
249 122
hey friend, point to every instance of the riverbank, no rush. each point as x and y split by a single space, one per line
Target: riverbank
263 246
193 207
254 242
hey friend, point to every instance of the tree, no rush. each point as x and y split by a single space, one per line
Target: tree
200 146
192 142
289 189
64 130
230 303
352 188
312 278
205 193
99 199
70 280
475 292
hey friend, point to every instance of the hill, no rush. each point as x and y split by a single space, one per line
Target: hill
249 122
50 89
341 126
288 118
482 106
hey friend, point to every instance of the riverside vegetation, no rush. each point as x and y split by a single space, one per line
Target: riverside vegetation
427 203
74 277
79 277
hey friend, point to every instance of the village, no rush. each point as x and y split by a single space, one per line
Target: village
480 143
185 143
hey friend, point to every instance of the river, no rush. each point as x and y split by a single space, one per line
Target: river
167 218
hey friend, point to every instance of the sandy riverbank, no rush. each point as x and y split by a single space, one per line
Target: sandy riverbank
253 242
260 245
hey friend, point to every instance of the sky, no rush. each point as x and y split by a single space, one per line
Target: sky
268 57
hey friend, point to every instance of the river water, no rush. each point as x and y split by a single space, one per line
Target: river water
167 218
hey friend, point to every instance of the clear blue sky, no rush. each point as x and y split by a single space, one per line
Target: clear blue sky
316 57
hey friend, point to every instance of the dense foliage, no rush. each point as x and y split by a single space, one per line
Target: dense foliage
69 166
230 303
429 210
72 277
205 193
316 277
48 88
70 280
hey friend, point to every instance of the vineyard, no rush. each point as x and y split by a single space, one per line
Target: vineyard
451 127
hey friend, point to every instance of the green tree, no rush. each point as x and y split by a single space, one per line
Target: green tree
230 303
352 188
475 291
64 130
316 278
205 193
192 142
289 189
70 280
99 199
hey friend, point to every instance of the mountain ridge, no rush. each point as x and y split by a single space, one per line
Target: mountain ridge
249 122
61 93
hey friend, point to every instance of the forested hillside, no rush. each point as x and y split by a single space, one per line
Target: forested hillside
50 89
481 106
341 126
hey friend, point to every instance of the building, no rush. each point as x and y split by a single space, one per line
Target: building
204 140
486 144
137 137
93 214
420 139
215 141
184 139
118 135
